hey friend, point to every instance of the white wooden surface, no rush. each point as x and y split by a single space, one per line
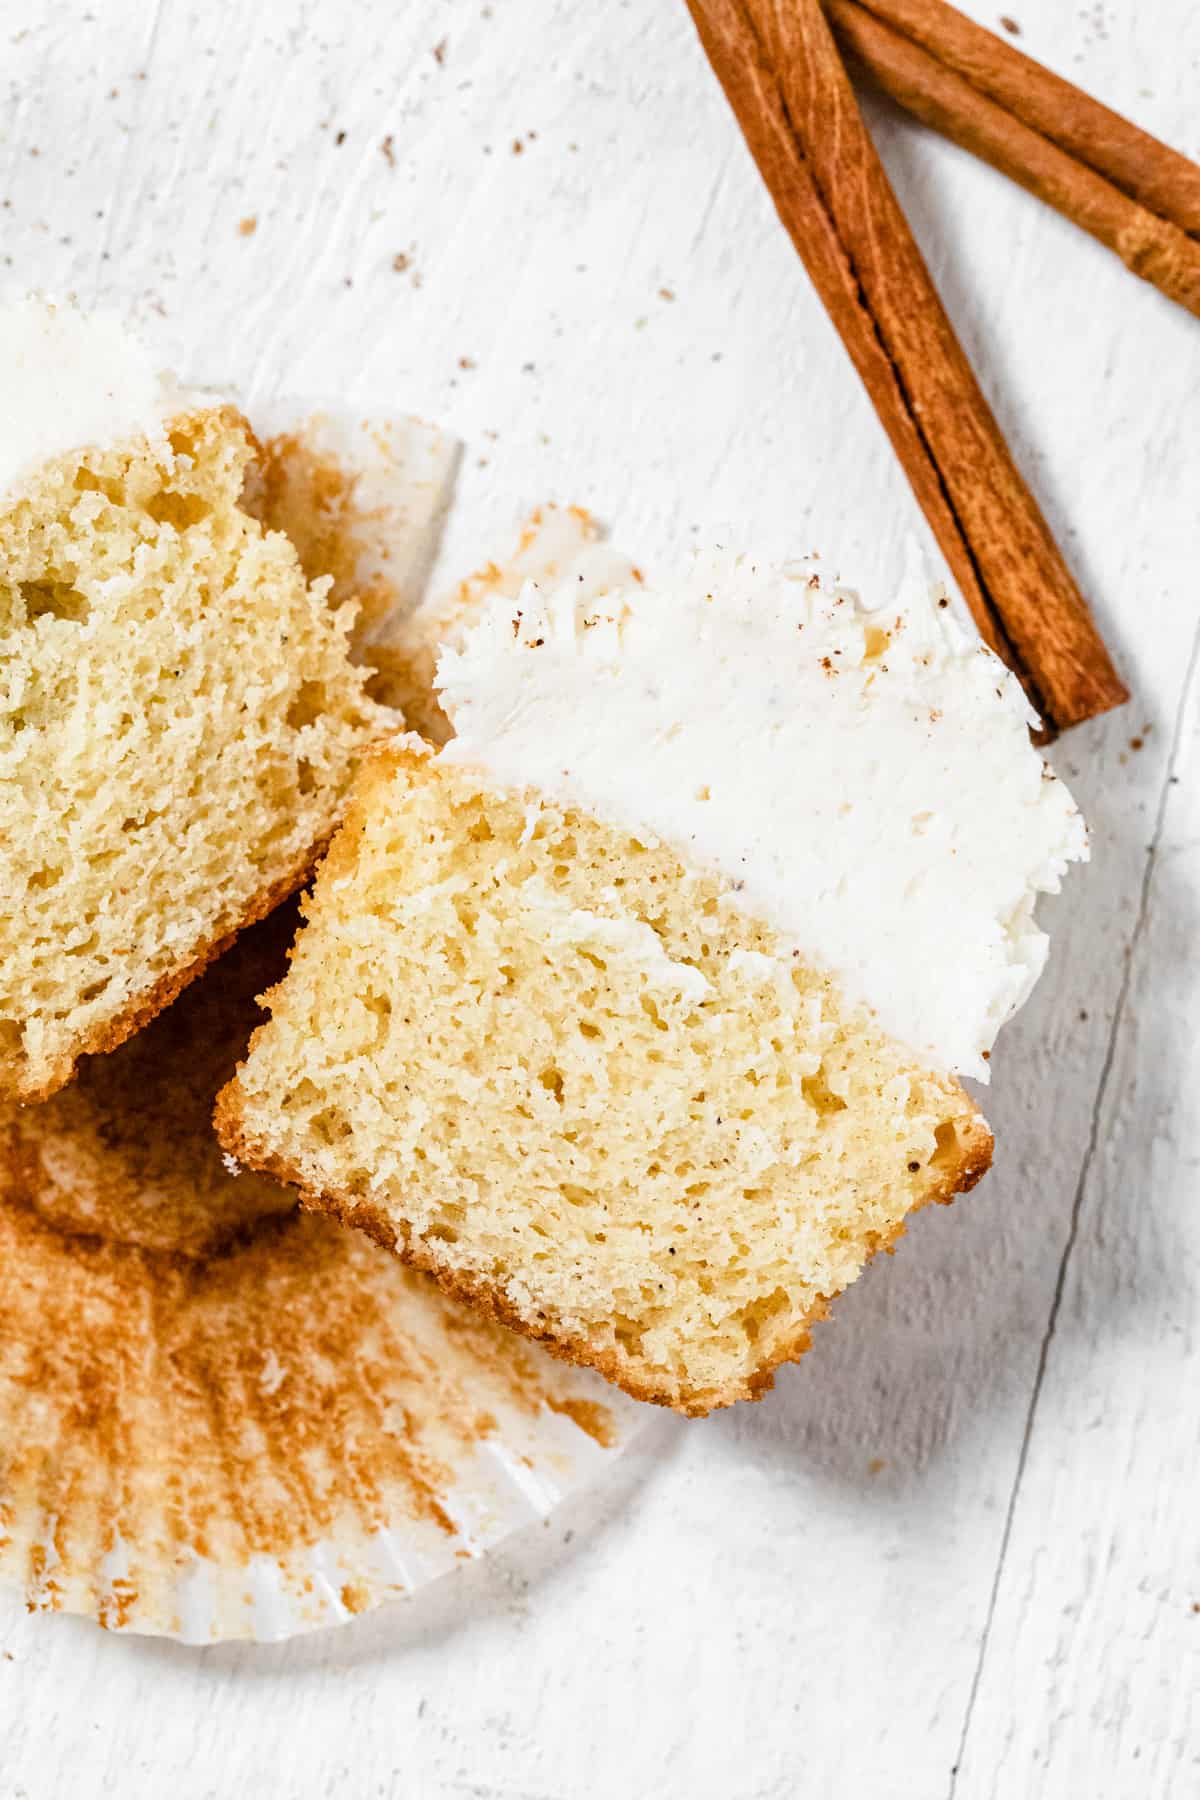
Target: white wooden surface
956 1552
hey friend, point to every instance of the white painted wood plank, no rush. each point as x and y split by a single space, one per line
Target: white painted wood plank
1091 1681
755 1607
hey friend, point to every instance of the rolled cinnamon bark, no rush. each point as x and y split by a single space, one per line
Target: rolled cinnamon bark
780 69
1150 172
1151 246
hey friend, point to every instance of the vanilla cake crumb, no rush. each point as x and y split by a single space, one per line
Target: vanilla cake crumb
549 1063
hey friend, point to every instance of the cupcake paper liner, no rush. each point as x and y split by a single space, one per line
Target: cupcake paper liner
363 498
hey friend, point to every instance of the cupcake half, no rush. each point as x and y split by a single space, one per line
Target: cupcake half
636 1014
179 713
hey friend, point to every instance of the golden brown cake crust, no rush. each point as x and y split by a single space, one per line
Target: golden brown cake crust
489 1299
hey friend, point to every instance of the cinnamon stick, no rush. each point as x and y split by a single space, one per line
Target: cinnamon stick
781 72
1157 177
1153 247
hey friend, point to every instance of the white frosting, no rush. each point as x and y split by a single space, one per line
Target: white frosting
71 380
864 778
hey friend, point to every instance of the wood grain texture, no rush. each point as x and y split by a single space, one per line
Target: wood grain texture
961 1533
1098 1601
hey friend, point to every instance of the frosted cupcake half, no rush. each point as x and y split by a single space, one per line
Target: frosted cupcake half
636 1014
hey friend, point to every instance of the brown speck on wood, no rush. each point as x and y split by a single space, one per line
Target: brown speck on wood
248 226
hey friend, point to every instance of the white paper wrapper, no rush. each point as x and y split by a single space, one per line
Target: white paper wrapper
512 1480
363 498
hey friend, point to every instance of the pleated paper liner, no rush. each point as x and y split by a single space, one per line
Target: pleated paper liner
363 498
221 1418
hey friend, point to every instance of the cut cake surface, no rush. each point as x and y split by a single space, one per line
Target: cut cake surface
179 722
548 1062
